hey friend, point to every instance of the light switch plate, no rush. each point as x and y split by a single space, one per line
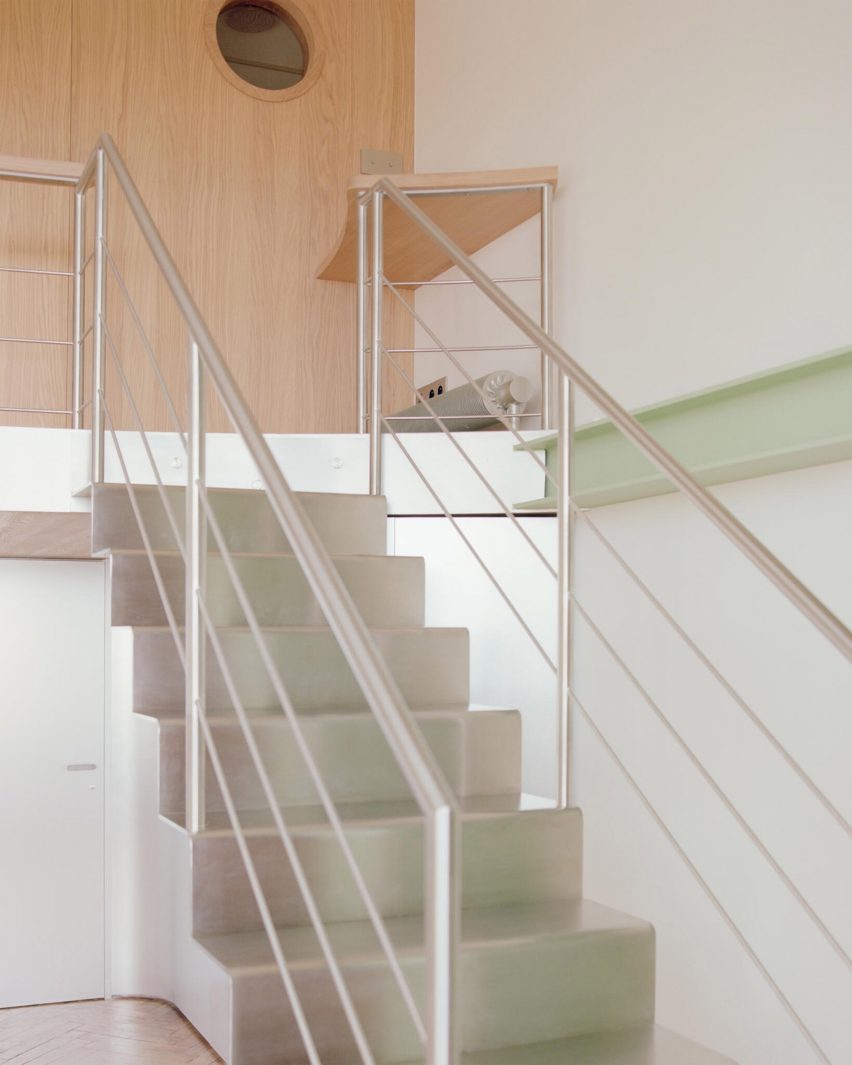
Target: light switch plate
375 162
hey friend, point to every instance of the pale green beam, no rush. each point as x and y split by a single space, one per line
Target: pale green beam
784 419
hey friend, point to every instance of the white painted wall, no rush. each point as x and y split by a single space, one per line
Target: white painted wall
704 218
703 232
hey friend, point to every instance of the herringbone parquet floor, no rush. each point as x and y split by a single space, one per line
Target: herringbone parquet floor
114 1032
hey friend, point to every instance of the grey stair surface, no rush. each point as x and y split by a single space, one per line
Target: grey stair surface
546 977
429 665
479 753
507 859
388 590
646 1044
528 973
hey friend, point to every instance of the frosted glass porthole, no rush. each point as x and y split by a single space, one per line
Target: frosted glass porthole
261 45
265 48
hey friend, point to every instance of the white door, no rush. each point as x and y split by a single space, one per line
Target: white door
52 698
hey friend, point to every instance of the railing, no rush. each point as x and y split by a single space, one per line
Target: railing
41 173
197 531
570 376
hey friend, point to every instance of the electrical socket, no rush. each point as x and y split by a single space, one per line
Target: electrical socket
432 390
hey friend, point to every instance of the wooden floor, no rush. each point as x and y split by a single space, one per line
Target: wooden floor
119 1031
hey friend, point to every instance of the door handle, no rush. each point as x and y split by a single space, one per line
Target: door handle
81 767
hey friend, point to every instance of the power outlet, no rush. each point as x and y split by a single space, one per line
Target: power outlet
432 390
374 161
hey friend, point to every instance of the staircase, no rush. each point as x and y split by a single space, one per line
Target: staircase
546 976
317 741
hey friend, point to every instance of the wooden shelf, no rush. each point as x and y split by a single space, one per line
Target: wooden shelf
477 208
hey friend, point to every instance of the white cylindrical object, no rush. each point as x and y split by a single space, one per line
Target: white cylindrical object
499 394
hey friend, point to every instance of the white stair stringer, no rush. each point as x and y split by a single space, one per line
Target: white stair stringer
546 977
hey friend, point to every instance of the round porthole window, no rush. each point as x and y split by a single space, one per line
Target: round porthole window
262 44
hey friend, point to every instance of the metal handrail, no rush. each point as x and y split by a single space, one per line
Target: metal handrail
381 691
784 580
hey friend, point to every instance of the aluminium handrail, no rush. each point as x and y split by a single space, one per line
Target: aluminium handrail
381 691
773 569
370 669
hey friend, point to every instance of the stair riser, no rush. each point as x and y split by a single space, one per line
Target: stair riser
347 525
506 860
479 753
388 591
520 992
430 666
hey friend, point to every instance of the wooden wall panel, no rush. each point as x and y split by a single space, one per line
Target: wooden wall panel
248 194
35 222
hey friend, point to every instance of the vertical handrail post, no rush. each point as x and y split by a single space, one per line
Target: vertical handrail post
361 318
443 924
376 347
565 567
77 311
546 313
98 319
195 550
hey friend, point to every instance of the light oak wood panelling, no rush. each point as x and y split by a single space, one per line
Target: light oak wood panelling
35 222
248 194
44 534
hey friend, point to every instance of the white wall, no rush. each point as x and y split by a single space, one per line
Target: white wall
704 218
703 231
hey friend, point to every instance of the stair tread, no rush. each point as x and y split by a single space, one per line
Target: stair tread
379 629
355 814
140 552
274 714
218 490
355 941
642 1045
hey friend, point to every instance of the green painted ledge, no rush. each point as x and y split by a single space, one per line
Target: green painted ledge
785 419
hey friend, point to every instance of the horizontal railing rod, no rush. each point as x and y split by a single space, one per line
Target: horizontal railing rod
451 417
467 348
464 281
784 580
471 190
483 565
143 533
480 476
39 171
702 882
146 344
161 488
33 270
504 421
36 340
33 410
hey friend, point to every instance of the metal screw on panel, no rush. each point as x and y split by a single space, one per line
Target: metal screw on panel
337 464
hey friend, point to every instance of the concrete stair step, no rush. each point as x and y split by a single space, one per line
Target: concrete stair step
346 524
528 974
478 750
388 590
431 665
509 857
